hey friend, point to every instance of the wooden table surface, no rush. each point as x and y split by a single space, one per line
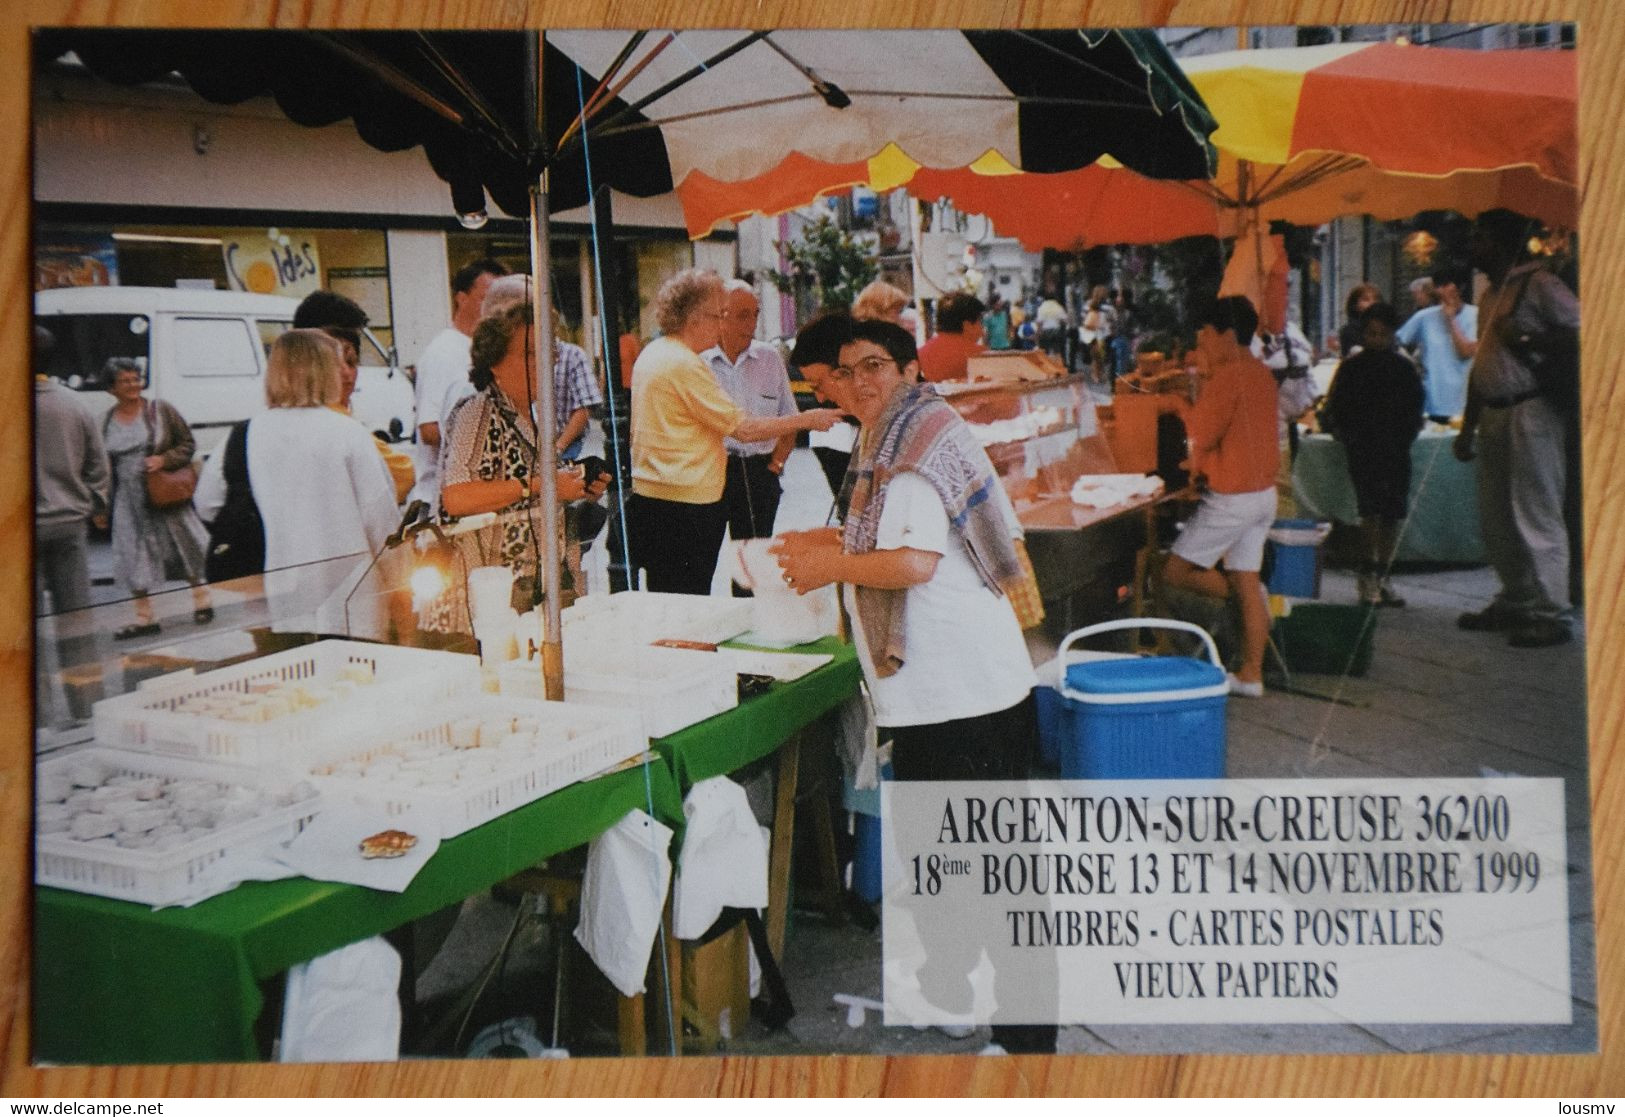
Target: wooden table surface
1602 45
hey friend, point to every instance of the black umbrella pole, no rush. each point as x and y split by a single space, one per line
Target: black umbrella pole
546 441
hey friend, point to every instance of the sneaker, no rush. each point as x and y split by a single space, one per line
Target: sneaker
1541 634
1244 690
1495 618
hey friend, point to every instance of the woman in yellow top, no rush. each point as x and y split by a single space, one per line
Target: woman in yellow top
680 415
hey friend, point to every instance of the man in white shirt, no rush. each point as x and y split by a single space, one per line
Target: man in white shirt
442 369
753 375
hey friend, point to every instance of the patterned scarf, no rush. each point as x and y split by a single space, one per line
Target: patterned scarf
919 431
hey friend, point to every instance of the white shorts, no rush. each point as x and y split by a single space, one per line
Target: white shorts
1228 526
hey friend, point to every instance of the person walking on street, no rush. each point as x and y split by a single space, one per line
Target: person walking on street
150 545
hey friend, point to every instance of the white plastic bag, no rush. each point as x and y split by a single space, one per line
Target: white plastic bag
780 617
343 1007
622 895
724 858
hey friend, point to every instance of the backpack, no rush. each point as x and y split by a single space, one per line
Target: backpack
237 536
1552 357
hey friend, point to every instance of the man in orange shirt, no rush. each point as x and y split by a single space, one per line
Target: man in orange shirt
1234 459
959 336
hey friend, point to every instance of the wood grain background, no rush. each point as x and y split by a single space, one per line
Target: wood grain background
1602 165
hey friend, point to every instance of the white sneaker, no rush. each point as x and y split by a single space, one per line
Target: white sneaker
1244 690
993 1049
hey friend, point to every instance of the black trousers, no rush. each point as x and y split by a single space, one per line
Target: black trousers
752 493
996 746
676 544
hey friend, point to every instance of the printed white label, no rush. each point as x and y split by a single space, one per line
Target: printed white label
1235 901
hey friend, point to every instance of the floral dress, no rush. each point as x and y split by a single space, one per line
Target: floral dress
151 546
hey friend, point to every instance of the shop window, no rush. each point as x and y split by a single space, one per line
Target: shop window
214 347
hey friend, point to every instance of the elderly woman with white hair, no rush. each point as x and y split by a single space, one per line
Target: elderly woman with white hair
680 415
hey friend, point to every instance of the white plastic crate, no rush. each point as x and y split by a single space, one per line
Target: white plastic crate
672 688
641 618
169 876
573 743
150 719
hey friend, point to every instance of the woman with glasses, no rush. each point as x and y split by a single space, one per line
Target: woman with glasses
680 415
927 562
150 545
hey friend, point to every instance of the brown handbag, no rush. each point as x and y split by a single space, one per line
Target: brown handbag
167 488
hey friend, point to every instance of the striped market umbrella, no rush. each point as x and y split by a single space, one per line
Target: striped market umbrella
765 122
1305 135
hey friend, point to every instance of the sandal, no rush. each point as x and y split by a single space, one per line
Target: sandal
203 615
134 631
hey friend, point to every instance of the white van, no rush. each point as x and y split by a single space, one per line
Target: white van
203 351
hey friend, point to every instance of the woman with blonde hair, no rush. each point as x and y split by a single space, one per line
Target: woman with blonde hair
680 415
322 490
882 301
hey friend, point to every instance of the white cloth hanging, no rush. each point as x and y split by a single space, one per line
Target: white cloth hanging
622 896
343 1007
724 858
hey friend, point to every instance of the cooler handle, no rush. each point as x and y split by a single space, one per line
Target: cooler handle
1119 625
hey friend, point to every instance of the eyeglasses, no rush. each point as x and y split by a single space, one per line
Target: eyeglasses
867 366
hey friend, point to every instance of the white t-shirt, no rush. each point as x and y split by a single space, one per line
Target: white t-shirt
442 381
964 654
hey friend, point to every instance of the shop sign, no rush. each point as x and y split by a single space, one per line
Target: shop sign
279 262
76 262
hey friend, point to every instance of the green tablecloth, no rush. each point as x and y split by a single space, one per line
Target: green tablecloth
727 742
1443 523
116 982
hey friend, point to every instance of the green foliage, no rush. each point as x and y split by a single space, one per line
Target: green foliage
1174 274
829 262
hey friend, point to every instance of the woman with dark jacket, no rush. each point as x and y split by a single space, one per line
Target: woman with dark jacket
150 545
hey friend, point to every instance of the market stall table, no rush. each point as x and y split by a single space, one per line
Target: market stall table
1443 521
755 729
116 982
1075 549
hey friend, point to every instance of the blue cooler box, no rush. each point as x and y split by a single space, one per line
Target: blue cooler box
1296 546
1140 717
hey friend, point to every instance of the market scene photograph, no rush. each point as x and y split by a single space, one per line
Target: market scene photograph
571 543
